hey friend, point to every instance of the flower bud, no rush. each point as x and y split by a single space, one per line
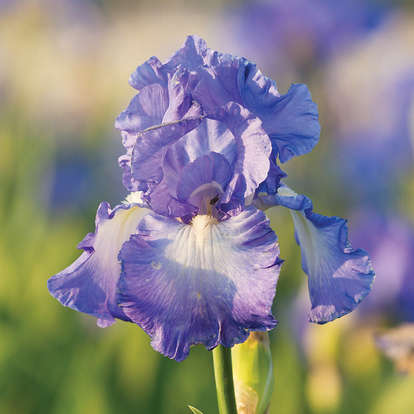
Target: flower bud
253 374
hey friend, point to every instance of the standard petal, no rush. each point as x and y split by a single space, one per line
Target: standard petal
147 74
146 109
124 161
204 180
181 103
148 152
189 56
159 108
254 148
291 121
339 276
89 284
207 282
161 155
210 136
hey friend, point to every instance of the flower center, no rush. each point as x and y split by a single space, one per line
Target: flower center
205 196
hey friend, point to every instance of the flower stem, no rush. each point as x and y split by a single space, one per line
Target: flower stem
223 375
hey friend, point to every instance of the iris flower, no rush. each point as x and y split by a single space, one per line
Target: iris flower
190 256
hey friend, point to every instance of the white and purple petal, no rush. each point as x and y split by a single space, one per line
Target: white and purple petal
340 277
206 282
89 284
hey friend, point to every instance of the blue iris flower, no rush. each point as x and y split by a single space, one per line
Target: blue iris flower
190 256
294 34
390 240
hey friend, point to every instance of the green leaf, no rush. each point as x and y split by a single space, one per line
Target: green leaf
194 410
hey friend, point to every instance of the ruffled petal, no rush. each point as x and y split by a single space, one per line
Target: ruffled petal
291 121
254 148
189 56
146 109
198 83
273 179
340 277
161 156
89 284
209 137
148 73
157 106
181 103
207 282
124 161
148 153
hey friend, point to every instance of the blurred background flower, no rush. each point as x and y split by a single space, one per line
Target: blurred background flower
295 36
63 71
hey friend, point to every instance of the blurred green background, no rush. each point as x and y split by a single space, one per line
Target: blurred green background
64 67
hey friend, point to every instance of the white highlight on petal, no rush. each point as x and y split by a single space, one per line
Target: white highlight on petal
317 244
156 265
200 245
285 191
111 235
311 239
134 198
201 224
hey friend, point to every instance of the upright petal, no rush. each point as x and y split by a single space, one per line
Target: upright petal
254 147
161 156
204 180
146 109
148 153
190 55
157 109
148 73
89 284
124 161
206 282
291 121
339 276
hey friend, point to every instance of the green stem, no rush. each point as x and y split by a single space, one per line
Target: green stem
223 375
